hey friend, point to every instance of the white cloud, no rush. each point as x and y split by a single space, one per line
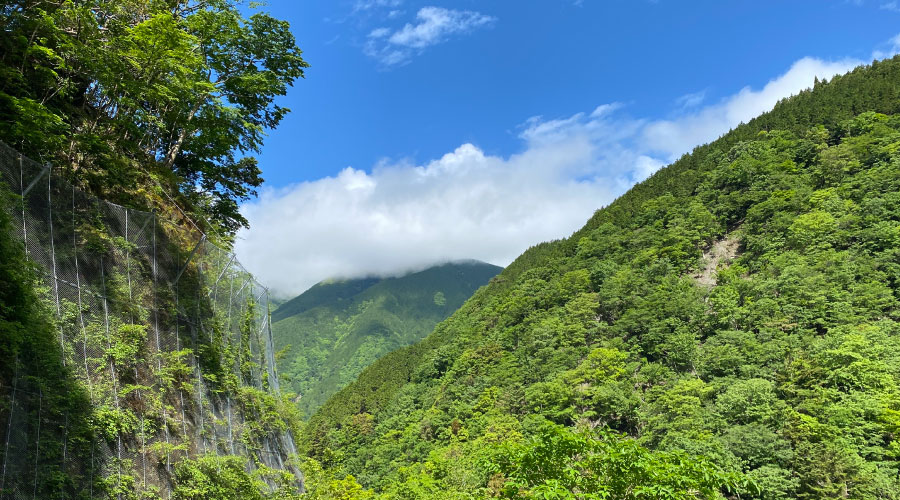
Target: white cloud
891 6
690 100
672 138
892 48
433 25
468 204
399 217
364 5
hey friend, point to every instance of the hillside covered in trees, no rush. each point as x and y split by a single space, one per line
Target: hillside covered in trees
729 327
329 333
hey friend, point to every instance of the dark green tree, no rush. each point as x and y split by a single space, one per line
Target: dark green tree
128 96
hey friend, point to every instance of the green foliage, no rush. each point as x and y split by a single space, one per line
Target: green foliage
224 478
733 321
137 95
322 485
33 373
331 332
93 401
558 464
111 422
265 413
126 343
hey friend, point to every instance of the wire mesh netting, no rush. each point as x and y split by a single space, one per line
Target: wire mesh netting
167 333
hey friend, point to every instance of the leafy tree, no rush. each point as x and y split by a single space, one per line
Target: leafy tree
559 464
128 96
223 478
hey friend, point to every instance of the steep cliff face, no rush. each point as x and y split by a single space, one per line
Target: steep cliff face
137 358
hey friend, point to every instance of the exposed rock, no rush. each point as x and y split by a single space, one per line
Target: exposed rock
721 252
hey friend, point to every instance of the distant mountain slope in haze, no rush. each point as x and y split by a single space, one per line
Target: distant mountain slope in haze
328 293
337 328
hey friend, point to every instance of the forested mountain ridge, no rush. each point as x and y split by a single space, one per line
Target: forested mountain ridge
599 366
127 134
331 332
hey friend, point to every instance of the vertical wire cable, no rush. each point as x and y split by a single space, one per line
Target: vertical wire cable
37 445
113 376
154 264
62 344
65 449
140 396
229 333
87 373
22 191
12 409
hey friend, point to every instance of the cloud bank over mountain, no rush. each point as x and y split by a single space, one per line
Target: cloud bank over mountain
468 204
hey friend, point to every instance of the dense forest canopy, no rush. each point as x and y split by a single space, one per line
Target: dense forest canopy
144 99
729 327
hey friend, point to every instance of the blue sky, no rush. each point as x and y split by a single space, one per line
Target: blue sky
427 131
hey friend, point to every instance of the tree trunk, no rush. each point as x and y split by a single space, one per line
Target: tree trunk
179 142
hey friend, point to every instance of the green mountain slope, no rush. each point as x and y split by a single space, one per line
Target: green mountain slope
737 315
336 328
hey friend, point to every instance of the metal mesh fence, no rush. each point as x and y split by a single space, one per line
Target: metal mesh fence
167 333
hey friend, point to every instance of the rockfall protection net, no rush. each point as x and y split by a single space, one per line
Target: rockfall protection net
167 333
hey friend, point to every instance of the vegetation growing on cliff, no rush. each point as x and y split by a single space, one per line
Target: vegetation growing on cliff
140 378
